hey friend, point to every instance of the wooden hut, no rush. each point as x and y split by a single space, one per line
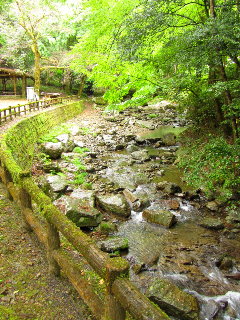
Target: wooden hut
13 75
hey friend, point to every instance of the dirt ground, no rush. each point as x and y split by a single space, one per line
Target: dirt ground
4 103
27 291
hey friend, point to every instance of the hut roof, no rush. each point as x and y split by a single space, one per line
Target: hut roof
8 73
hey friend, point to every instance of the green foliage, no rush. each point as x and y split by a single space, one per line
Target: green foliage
213 164
56 131
80 178
45 158
80 150
78 163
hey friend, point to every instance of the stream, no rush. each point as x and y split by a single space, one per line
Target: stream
201 260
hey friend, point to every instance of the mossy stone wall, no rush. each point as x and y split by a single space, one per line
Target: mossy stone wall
19 141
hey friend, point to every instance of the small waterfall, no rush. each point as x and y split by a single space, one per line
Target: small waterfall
224 307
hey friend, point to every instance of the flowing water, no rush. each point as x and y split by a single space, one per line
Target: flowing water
186 254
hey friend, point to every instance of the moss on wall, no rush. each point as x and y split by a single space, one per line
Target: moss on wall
19 141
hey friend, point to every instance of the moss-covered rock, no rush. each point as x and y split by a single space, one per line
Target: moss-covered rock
106 227
114 244
79 211
159 216
173 300
53 149
212 223
115 204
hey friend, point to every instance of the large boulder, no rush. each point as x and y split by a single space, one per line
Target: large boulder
53 149
79 211
67 142
212 223
169 139
173 301
159 216
169 187
87 196
114 204
141 155
55 185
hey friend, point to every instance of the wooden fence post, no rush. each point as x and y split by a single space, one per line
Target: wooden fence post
10 112
26 202
53 243
117 267
6 178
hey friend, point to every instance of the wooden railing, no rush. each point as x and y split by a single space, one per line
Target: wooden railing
12 112
53 228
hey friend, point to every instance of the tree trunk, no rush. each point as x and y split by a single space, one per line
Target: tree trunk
83 81
37 68
212 8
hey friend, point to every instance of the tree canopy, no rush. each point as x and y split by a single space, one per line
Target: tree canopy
183 50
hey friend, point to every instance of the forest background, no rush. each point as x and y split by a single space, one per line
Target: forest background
138 50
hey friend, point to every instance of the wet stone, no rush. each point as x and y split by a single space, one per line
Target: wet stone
79 211
130 196
56 183
145 124
114 244
85 195
169 187
114 204
141 155
212 205
53 149
233 216
159 216
212 223
169 139
173 301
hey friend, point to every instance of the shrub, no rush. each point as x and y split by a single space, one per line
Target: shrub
214 165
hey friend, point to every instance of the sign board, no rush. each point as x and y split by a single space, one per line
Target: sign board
30 94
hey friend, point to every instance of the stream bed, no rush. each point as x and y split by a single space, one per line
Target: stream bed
135 156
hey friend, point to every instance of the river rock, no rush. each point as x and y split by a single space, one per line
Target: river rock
115 204
141 155
173 301
106 227
212 223
225 263
160 216
129 137
173 204
114 244
169 187
85 195
68 144
233 216
79 211
56 184
169 139
132 148
53 149
130 196
145 124
212 205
